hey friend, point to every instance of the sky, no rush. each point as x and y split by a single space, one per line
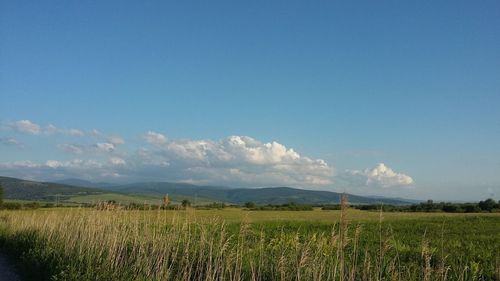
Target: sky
391 98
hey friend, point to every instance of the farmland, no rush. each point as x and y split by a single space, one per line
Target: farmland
237 244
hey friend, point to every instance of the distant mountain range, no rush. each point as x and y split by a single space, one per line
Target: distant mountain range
33 190
42 191
84 183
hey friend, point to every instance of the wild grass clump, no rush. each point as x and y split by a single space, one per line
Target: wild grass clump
83 244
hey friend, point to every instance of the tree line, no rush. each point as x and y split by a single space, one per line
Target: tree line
488 205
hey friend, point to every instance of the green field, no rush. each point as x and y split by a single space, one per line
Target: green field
237 244
125 199
119 198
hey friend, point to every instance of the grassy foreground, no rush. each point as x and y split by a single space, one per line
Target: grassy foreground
233 244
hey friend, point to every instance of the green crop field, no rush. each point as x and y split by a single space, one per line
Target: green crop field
237 244
119 198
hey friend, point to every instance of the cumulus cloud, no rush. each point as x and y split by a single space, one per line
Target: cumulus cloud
55 169
96 148
238 159
117 161
155 138
235 161
29 127
53 164
95 133
104 147
73 132
25 126
72 148
51 129
116 140
383 176
10 141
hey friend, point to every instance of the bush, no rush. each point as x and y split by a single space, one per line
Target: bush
284 207
250 205
11 206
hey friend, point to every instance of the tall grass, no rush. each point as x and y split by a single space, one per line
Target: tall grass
83 244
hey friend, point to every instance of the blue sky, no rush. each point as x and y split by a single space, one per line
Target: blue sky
413 85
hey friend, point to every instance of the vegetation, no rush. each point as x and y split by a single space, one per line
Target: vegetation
155 191
250 205
42 191
283 207
213 205
113 240
114 244
488 205
185 203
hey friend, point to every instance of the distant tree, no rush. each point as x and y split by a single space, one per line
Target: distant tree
487 205
249 205
185 203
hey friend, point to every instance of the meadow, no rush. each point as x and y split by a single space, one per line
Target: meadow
237 244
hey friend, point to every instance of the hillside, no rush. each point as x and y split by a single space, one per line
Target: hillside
42 191
26 190
268 195
154 191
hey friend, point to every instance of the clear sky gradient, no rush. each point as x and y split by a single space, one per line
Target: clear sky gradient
411 84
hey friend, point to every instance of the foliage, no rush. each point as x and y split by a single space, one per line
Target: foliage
1 194
284 207
250 205
32 190
86 244
213 205
429 206
185 203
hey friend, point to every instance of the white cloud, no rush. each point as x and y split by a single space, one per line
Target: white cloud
238 160
23 164
51 129
25 126
104 147
117 161
53 164
116 140
54 169
10 141
235 160
255 152
383 176
74 132
155 138
95 133
71 148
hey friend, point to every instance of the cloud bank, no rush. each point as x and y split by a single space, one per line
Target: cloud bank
28 127
383 176
235 161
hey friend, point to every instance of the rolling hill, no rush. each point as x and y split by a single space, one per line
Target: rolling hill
42 191
153 191
268 195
